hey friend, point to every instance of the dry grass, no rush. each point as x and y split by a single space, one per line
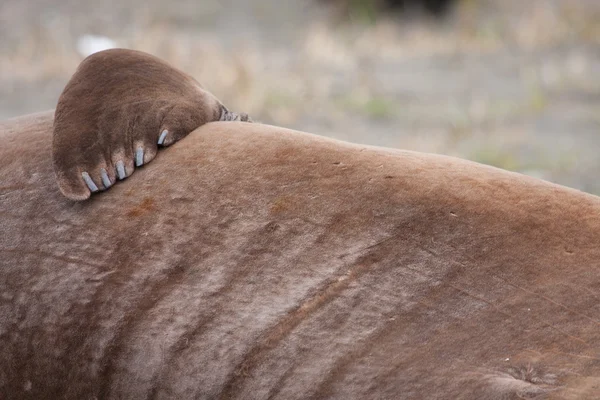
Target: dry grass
494 70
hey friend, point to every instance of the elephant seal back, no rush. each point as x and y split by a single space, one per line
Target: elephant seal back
279 264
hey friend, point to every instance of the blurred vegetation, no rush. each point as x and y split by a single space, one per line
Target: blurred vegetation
511 83
369 10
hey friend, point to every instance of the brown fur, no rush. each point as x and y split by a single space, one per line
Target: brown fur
254 262
116 102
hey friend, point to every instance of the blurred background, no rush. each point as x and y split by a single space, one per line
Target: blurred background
510 83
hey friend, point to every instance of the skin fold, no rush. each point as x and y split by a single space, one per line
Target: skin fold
254 262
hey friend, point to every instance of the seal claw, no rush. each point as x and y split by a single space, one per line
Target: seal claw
105 180
89 182
139 157
121 170
162 137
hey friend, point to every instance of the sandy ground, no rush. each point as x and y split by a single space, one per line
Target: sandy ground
511 83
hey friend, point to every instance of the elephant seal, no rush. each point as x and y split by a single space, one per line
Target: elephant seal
255 262
114 113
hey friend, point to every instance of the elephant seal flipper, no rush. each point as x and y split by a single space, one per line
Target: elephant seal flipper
311 268
117 109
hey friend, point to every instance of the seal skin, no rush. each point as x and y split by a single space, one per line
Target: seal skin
114 113
273 264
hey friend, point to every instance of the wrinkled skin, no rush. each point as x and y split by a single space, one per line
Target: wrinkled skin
254 262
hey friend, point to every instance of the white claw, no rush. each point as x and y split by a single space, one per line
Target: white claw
105 180
121 170
89 182
162 137
139 157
